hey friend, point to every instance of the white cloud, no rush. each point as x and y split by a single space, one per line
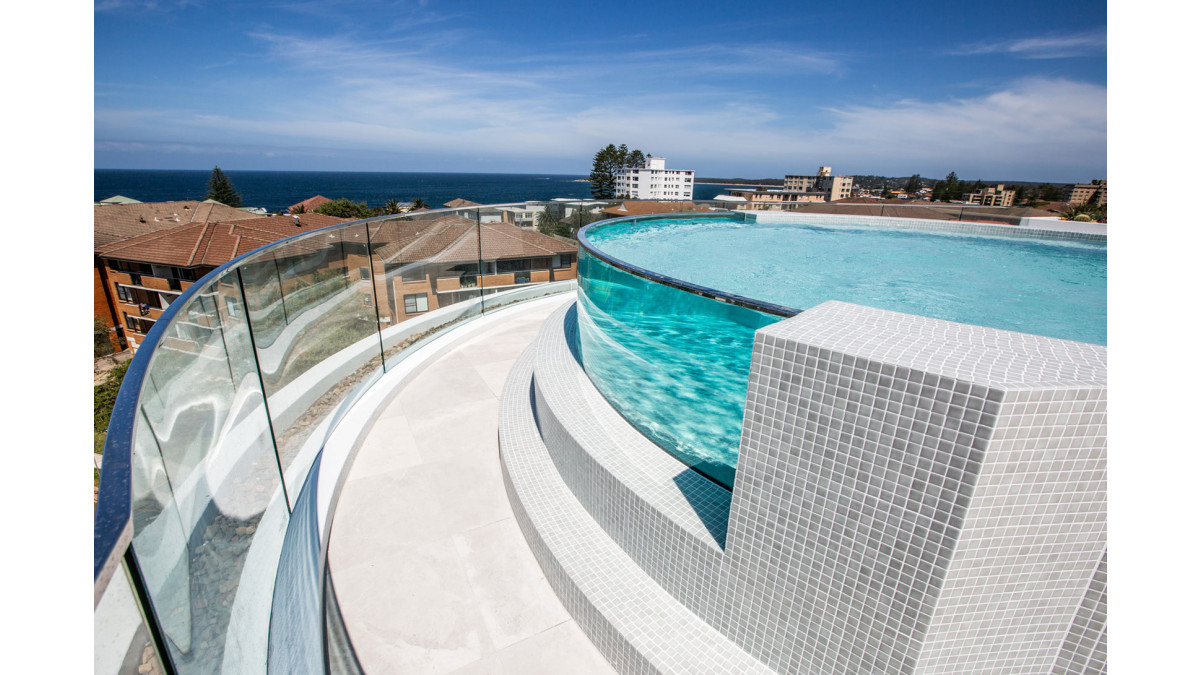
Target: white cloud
1044 47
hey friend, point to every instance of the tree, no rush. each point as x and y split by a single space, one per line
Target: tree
1050 193
1020 194
297 210
344 208
391 207
609 162
913 185
220 189
418 204
887 193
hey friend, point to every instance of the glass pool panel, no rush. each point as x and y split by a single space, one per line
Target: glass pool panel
674 363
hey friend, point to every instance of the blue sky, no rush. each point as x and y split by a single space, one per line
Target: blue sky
1015 91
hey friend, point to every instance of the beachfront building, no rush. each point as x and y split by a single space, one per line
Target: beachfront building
1084 192
655 181
991 196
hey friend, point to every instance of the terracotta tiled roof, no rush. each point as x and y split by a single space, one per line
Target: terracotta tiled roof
453 238
311 203
114 222
648 208
455 203
212 244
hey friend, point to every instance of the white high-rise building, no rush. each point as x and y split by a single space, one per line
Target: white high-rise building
655 181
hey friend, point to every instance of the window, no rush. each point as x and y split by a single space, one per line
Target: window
125 294
416 303
174 285
541 263
517 265
566 259
135 279
364 273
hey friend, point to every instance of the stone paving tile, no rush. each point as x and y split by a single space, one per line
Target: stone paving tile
433 574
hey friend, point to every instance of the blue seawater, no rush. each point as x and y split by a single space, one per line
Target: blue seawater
277 190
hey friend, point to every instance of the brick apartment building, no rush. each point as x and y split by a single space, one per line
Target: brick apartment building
143 274
119 218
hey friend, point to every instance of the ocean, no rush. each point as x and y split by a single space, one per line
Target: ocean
275 191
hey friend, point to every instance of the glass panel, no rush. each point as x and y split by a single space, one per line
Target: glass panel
427 276
121 639
204 499
313 320
516 257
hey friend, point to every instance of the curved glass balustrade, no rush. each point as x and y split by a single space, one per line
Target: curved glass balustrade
208 556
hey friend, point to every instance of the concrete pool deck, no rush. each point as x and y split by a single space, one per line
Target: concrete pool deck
430 567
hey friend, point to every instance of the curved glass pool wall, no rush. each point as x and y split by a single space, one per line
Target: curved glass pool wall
228 402
672 358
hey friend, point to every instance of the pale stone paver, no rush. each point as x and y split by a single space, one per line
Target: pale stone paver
431 570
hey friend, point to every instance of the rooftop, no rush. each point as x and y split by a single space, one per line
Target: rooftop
122 220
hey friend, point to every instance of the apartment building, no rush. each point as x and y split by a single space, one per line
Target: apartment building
143 274
1083 192
655 181
991 196
831 187
118 218
428 264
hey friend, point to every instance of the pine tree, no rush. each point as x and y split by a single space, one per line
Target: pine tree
221 190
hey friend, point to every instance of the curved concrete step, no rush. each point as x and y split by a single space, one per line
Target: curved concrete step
636 624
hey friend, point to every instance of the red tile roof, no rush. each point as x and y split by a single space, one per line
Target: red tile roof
452 238
647 208
212 244
311 203
114 222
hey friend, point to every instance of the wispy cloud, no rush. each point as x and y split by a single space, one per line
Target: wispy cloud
1043 47
142 5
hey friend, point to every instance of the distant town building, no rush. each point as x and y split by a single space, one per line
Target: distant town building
822 187
459 203
655 181
830 186
991 196
1082 193
631 208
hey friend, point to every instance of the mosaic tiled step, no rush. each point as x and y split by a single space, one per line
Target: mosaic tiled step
634 622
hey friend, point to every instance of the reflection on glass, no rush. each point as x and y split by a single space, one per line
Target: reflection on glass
426 271
317 343
203 411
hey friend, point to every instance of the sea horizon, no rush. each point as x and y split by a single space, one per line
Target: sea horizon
276 190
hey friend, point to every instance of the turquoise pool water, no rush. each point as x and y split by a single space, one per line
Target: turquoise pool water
676 364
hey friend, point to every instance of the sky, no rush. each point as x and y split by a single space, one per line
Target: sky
1015 91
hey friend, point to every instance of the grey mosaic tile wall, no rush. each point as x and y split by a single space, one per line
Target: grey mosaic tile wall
913 495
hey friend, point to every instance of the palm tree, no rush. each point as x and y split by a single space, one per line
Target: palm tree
391 207
418 204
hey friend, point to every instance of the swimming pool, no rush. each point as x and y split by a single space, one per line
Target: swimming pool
669 305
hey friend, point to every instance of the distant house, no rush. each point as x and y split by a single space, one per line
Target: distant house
118 218
638 208
435 263
458 203
991 196
309 205
143 274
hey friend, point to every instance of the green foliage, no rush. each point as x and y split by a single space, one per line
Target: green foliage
1087 212
220 189
913 184
607 163
391 207
1049 193
101 341
887 193
344 208
298 209
418 204
105 395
